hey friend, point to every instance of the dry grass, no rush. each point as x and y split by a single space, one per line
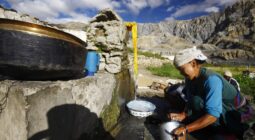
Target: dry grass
236 70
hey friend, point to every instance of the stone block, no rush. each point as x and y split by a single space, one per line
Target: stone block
113 68
54 109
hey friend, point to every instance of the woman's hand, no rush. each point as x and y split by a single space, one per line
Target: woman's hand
180 132
177 116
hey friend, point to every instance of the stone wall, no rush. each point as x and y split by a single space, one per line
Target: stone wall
60 109
108 35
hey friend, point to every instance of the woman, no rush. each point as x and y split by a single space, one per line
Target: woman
228 76
211 107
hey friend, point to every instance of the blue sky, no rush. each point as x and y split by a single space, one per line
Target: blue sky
142 11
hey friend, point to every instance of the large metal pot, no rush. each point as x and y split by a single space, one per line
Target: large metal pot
35 52
166 130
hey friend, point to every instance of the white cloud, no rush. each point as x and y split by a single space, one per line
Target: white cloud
68 10
170 9
121 11
53 10
226 2
206 6
74 17
97 4
155 3
36 8
187 10
212 9
136 5
169 19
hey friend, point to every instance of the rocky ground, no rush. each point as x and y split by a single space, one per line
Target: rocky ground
146 81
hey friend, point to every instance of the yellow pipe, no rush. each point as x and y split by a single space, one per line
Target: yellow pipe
132 26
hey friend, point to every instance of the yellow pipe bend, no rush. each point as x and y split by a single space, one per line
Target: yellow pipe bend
132 26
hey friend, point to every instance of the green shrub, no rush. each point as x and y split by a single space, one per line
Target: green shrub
149 54
146 53
247 84
166 70
236 70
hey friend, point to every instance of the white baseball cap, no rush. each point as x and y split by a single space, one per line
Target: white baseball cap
187 55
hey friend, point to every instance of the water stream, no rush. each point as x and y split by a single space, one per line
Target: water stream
133 128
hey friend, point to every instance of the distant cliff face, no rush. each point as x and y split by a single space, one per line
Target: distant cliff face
231 33
197 30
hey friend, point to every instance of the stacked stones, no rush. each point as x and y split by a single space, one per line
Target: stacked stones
108 35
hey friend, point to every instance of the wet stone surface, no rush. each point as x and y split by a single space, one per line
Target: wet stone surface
135 128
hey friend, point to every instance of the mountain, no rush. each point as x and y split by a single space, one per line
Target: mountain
228 35
72 26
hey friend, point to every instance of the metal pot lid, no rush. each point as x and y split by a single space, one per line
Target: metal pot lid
141 106
39 30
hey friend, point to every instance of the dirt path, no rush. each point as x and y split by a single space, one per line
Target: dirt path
145 78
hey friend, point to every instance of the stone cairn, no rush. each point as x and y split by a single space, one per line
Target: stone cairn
108 35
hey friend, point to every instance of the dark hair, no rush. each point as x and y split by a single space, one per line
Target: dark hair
200 61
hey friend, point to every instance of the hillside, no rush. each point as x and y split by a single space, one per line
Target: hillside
228 35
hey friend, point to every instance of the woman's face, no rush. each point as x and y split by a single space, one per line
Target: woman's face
226 77
189 70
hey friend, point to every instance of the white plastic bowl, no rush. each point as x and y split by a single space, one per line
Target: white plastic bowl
141 108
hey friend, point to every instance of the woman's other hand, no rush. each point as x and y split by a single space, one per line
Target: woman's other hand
177 116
